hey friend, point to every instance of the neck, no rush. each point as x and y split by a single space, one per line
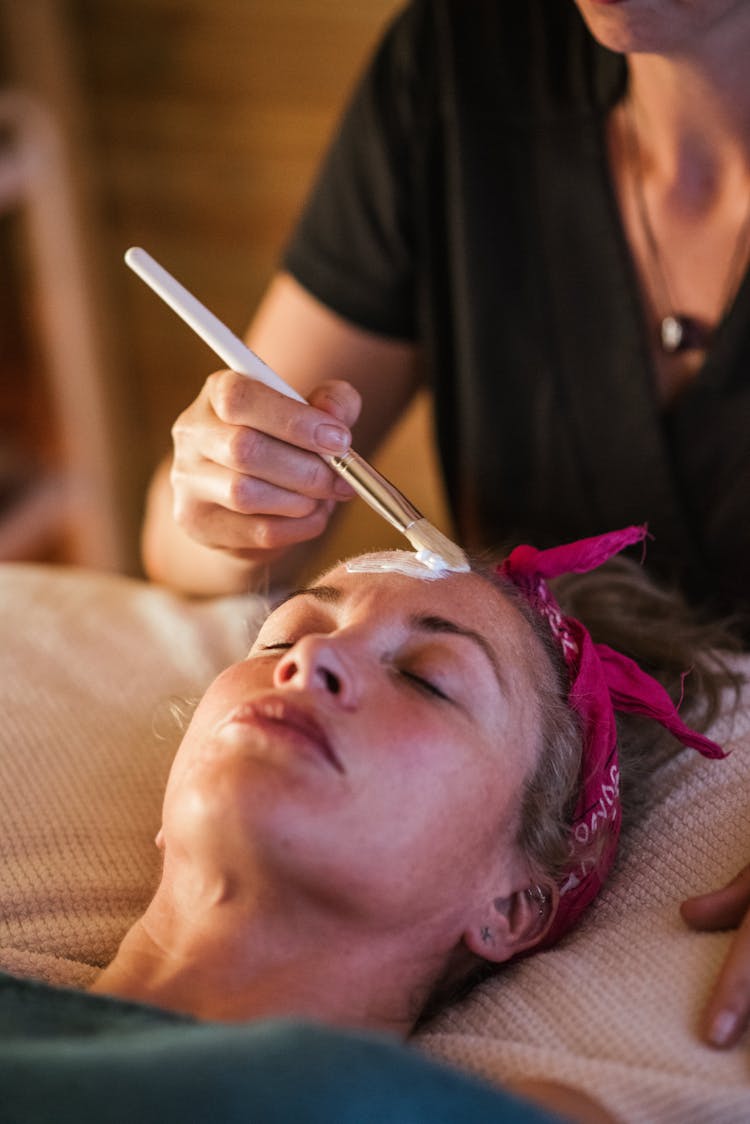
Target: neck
681 156
693 117
221 959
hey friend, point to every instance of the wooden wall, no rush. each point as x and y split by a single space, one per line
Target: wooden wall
199 124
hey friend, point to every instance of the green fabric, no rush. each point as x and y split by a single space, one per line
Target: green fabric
466 203
68 1057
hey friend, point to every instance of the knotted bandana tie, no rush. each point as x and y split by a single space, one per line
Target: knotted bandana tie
601 682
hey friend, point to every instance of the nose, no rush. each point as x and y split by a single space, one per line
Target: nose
318 663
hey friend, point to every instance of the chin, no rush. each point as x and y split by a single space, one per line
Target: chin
629 27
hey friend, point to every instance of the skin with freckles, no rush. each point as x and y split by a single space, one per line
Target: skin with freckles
349 662
339 823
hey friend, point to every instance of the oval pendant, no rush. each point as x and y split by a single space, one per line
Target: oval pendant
683 333
672 334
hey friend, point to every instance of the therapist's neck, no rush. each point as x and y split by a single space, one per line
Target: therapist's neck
693 111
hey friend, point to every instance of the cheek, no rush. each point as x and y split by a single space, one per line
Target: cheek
234 686
464 791
456 830
226 692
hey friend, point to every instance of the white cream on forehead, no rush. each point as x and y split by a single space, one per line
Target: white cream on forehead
406 562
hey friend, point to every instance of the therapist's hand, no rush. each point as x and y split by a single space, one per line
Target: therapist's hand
246 475
728 1011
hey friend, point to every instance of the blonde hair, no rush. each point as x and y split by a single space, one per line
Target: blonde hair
687 653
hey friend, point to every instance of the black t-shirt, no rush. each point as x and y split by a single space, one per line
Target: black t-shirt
466 203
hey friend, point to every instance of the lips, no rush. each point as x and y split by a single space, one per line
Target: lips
272 711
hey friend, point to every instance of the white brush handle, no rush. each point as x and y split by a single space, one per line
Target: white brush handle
210 329
378 492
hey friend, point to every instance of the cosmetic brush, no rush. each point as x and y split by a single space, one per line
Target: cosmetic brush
432 546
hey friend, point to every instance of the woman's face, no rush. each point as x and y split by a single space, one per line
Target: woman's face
371 749
661 26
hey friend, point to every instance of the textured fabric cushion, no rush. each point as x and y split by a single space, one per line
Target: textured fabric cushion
615 1008
88 667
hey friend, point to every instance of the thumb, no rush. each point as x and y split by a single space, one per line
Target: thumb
719 909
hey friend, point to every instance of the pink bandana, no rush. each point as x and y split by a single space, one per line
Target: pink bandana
601 682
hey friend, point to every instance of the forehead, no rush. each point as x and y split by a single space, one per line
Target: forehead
467 599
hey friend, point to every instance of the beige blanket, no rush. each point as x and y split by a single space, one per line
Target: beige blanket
89 666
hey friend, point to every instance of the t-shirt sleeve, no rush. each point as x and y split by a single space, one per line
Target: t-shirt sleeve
353 246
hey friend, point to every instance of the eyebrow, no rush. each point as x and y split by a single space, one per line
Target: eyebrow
328 593
441 625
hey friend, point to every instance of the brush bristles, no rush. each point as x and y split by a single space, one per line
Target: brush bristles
435 549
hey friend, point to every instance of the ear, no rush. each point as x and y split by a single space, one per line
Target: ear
513 924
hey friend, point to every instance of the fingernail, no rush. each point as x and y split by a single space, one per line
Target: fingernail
723 1028
332 438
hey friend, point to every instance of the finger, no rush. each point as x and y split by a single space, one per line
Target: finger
338 398
719 909
214 486
728 1012
248 538
200 486
252 454
238 400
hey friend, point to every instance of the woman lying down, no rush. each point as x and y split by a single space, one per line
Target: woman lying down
411 779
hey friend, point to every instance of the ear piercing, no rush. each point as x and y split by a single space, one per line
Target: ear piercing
537 894
486 934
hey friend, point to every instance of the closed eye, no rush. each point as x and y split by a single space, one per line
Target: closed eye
279 646
424 685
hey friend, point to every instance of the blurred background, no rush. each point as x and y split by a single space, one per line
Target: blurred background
189 127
